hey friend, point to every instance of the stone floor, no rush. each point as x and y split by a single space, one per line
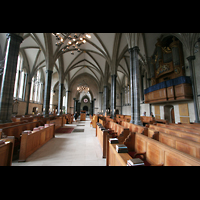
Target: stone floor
72 149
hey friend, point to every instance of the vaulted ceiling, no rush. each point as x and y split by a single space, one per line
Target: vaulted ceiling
101 56
95 58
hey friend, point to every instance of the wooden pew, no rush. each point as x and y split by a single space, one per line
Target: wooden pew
162 121
189 136
180 128
155 153
33 141
94 121
147 119
29 118
190 147
13 123
102 121
184 125
16 130
117 130
116 159
103 135
135 128
58 122
6 151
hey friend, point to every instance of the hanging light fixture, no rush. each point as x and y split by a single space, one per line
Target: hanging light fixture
83 87
74 40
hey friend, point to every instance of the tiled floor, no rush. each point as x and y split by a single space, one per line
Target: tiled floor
73 149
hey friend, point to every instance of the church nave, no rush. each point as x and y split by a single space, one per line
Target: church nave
71 149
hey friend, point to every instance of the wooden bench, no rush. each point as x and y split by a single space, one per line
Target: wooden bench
184 125
147 119
189 136
13 123
29 118
135 128
16 130
180 128
161 121
94 121
102 135
112 130
190 147
58 122
117 130
33 141
6 151
154 152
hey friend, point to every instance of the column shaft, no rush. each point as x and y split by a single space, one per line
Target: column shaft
113 95
134 84
8 79
190 58
47 93
60 98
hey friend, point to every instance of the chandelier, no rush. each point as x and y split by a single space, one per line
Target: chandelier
83 87
74 40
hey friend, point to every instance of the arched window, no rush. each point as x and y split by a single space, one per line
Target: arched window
36 88
19 79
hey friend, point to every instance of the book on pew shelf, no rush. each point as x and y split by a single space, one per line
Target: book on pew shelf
2 142
121 148
113 140
135 162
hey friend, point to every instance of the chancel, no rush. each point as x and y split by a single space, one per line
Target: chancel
107 80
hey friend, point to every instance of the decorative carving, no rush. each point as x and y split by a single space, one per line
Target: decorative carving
166 49
153 81
177 70
162 68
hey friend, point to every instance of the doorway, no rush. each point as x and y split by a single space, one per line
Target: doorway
169 113
85 108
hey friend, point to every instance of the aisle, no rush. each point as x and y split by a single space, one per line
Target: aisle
72 149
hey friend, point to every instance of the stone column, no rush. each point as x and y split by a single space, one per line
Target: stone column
28 97
47 93
121 102
77 105
8 79
91 104
134 86
74 104
94 106
100 101
113 95
105 98
25 82
190 58
67 101
60 98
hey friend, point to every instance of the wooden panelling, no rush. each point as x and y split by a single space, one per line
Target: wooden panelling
153 154
183 91
183 109
187 146
31 142
185 120
172 93
157 112
156 153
